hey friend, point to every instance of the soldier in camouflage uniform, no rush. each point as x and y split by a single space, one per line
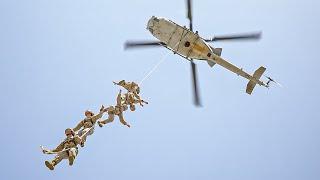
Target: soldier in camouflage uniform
130 99
131 87
86 126
66 150
116 110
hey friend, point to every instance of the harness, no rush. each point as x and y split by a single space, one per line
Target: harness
86 121
68 148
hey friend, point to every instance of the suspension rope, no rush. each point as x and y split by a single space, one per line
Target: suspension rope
157 65
154 68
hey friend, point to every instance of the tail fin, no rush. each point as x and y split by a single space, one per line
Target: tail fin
211 63
256 76
216 51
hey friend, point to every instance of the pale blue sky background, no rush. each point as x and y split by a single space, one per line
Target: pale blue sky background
59 58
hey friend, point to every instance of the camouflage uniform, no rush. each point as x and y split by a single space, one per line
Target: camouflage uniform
131 101
66 150
87 125
116 110
131 87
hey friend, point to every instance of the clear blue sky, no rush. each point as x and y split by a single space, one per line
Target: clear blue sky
59 58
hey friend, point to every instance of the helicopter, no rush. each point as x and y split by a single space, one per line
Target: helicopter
188 44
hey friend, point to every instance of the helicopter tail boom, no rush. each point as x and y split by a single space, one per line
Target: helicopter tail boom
253 79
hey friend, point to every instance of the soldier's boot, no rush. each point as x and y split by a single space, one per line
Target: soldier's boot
82 144
132 107
141 104
84 139
125 123
139 99
71 160
50 165
128 125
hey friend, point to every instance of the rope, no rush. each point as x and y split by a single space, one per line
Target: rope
154 68
157 65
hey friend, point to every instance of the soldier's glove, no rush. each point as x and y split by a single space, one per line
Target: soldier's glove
45 151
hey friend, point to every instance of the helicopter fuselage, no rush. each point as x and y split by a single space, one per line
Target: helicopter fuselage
190 45
179 39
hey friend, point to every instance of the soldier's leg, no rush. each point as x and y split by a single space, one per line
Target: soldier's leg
143 101
109 120
139 100
49 164
72 153
121 118
136 101
57 159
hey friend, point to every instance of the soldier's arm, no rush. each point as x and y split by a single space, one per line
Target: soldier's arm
118 83
78 126
121 118
60 147
98 116
115 83
119 98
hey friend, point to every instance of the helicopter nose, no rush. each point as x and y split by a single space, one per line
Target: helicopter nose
150 24
153 23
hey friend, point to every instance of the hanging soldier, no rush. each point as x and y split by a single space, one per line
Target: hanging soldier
86 126
66 150
116 110
131 100
131 87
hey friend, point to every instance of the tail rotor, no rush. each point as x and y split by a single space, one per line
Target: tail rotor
270 80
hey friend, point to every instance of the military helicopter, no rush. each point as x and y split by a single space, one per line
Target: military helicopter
189 45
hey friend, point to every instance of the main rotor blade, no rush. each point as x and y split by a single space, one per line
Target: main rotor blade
195 84
247 36
189 13
137 44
